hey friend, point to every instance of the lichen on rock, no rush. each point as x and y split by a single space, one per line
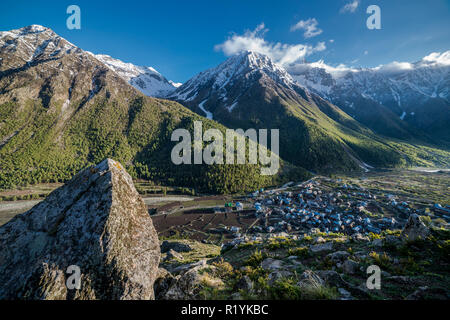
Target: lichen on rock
97 222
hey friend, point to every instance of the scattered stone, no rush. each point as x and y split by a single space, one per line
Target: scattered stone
172 254
245 283
377 243
272 264
277 275
163 282
425 292
328 246
183 268
188 285
360 237
350 267
236 296
293 260
385 274
360 255
392 241
415 229
333 279
401 279
176 246
345 294
418 294
320 240
310 278
96 222
338 256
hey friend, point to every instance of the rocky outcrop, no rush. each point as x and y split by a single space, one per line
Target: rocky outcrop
172 254
177 246
97 223
188 284
415 229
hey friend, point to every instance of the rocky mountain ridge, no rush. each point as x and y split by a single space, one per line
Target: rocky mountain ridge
398 99
249 90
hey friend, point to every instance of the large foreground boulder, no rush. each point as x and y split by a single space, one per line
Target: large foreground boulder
97 223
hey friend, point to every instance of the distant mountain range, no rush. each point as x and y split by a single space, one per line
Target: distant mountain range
62 108
399 100
250 91
402 100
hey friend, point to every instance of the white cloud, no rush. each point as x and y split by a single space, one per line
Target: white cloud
331 40
433 59
320 46
282 53
438 58
366 53
350 7
338 71
394 67
310 27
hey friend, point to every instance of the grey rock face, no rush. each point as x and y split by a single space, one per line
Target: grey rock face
97 222
415 229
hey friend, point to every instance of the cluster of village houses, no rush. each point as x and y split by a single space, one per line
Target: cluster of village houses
347 211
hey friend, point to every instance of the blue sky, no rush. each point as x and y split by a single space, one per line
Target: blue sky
178 38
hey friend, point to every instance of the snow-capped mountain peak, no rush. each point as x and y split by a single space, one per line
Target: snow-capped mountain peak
146 79
416 93
26 43
243 67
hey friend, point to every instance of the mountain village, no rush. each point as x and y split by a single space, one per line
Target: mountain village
312 207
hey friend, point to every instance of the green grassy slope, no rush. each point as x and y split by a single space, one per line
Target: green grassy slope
317 135
135 133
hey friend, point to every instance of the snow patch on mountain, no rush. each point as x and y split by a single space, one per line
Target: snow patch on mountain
24 43
145 79
209 115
